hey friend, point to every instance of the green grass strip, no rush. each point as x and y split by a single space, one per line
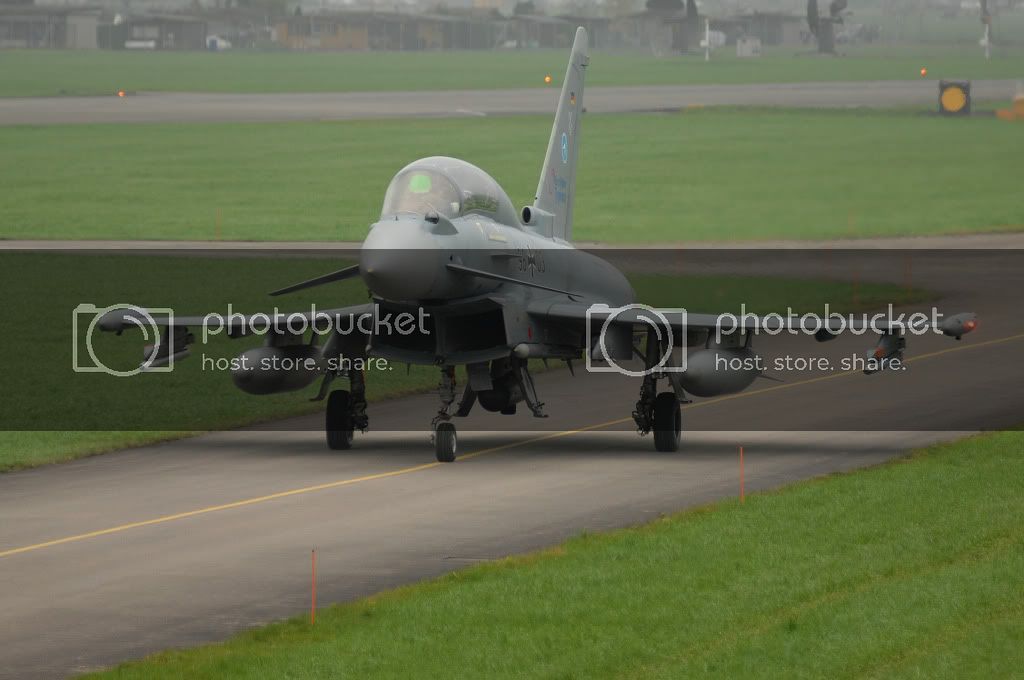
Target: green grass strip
729 175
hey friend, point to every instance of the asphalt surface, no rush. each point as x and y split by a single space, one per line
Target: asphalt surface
211 107
112 557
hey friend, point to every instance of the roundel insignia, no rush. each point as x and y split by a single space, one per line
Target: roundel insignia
565 148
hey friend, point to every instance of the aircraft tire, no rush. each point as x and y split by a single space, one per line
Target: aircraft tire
338 422
668 422
445 443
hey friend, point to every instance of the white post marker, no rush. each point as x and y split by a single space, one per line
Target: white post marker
707 39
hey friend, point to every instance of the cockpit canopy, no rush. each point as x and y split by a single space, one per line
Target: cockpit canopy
449 187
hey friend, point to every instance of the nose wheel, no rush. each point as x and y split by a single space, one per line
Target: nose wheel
445 443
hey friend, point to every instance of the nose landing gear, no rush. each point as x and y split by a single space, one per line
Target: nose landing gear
445 440
514 383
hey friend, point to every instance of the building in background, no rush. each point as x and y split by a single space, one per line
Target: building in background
388 31
243 27
771 28
535 30
663 33
462 24
27 26
153 32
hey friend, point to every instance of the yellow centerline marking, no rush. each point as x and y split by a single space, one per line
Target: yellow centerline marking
217 508
426 466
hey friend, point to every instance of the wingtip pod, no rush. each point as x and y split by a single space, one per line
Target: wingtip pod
958 325
892 343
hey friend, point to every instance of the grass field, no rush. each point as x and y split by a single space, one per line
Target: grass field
701 175
55 72
52 413
914 569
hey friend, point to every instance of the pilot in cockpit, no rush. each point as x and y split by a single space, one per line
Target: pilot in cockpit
421 191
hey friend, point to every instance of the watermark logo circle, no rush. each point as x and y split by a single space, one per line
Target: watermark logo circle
654 318
141 318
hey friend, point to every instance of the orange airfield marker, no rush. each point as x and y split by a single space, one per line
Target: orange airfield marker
742 499
312 604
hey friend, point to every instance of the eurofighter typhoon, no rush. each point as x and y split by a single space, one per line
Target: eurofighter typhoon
484 286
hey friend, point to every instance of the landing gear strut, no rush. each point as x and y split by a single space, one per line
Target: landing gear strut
445 439
660 413
525 382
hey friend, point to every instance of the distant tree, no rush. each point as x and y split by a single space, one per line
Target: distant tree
812 16
691 11
664 5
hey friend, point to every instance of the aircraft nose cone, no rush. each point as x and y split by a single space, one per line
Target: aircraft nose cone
399 261
398 274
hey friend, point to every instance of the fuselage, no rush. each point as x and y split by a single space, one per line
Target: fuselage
442 211
469 220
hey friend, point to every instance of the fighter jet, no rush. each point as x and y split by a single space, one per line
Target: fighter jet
481 285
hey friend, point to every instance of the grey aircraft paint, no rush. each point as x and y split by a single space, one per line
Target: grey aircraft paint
495 287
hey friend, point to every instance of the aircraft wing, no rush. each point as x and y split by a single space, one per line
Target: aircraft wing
233 325
955 325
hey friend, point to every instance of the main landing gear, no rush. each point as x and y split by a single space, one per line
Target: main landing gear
445 442
346 413
659 413
668 422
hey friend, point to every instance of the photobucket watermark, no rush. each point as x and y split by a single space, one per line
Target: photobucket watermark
611 331
319 322
168 337
831 322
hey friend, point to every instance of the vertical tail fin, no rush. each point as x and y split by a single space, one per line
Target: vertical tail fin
557 186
